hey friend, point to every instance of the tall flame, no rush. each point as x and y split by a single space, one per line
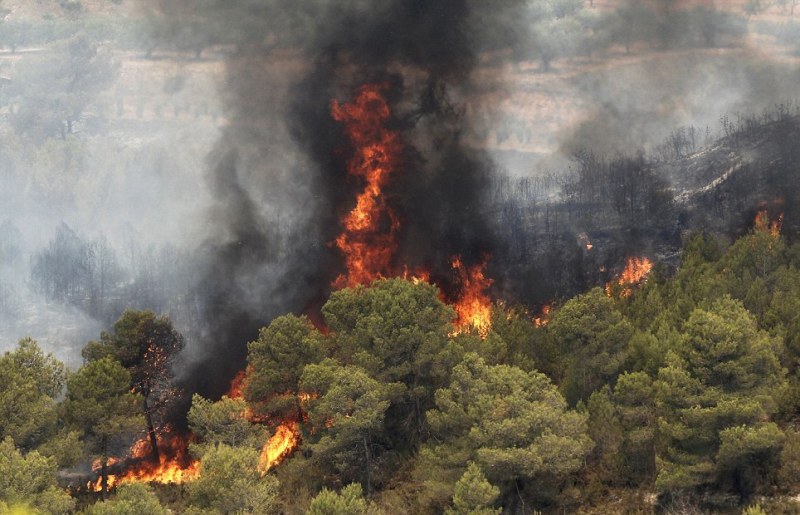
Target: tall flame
368 240
280 445
473 307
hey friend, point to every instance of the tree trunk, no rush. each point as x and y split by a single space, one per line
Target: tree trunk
297 404
104 471
417 409
151 430
367 466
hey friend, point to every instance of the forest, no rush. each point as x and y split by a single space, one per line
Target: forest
352 257
678 392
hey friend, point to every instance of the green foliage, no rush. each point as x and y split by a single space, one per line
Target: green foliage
473 494
145 344
225 421
637 413
681 387
230 483
276 362
749 456
513 424
30 382
396 331
99 402
64 446
790 462
606 432
351 407
30 480
725 375
130 499
100 405
754 509
524 344
350 501
592 337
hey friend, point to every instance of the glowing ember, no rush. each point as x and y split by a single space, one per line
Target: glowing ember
279 446
583 238
635 271
174 465
473 307
368 241
543 318
236 390
416 277
762 224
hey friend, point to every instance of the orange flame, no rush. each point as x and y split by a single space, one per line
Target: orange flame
366 243
279 446
473 307
236 390
762 224
544 316
635 271
174 465
238 384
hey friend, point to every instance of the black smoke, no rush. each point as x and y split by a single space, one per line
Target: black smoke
278 173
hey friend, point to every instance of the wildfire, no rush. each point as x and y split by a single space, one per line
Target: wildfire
236 390
174 465
279 446
368 240
762 224
635 271
583 238
544 317
473 307
287 434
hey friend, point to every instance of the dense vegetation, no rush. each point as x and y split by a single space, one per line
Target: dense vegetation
682 395
686 387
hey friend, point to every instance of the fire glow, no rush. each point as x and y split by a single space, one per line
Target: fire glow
368 240
763 224
474 307
279 446
174 465
286 437
635 271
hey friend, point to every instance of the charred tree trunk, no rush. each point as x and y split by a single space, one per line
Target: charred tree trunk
104 470
151 430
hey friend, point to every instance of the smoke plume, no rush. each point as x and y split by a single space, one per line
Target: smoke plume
279 176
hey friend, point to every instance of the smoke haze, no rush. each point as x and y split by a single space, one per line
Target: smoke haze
207 169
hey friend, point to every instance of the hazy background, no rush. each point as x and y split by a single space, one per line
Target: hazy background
157 154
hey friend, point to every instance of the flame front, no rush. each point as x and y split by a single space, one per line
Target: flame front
473 307
635 271
368 240
174 465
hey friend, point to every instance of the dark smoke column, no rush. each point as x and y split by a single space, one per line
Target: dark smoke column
278 173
